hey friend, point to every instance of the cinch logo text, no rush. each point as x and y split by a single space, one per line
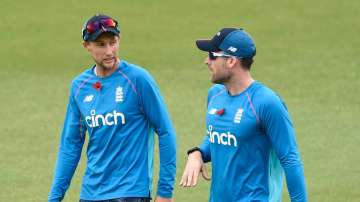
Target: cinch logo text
108 119
221 138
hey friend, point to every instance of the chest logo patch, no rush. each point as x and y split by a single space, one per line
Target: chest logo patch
212 111
119 94
238 115
88 98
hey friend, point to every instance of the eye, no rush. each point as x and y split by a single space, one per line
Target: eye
113 42
100 44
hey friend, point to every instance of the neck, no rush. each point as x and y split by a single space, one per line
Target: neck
101 71
238 83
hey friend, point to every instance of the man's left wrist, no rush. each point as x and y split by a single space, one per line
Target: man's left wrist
194 149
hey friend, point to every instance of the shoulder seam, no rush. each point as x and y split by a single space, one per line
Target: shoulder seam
130 82
80 86
217 94
252 107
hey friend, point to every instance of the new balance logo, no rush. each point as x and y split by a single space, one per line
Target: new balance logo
212 111
238 115
227 138
232 49
88 98
119 94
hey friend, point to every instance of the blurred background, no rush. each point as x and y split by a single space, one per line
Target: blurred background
307 51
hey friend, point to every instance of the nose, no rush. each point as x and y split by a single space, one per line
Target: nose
207 60
109 49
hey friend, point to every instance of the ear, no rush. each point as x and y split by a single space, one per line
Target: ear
118 38
86 45
231 62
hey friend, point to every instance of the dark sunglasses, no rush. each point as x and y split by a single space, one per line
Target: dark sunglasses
214 55
97 25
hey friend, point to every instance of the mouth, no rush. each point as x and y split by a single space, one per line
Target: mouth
109 60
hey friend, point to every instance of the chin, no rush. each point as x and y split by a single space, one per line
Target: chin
217 81
108 66
214 81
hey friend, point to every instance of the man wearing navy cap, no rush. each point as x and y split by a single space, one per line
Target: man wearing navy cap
120 106
250 139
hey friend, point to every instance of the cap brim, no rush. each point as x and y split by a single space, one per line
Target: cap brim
206 45
95 35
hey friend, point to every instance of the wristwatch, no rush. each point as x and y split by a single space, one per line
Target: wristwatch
193 150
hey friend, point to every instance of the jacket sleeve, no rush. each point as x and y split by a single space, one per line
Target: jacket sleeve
205 146
205 149
277 124
71 143
155 111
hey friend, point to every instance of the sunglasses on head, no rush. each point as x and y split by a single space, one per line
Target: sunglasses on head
214 55
99 24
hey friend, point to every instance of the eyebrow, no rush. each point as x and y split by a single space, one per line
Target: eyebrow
103 41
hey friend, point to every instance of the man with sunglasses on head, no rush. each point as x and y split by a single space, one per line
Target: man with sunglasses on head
250 138
120 106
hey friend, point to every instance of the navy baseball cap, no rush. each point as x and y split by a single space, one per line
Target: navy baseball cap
233 41
97 25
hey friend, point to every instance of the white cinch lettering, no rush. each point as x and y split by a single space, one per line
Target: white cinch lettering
227 138
109 119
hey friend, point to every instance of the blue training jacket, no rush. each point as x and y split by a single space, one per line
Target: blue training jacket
121 112
250 141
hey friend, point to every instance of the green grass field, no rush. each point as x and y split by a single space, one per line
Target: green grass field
308 51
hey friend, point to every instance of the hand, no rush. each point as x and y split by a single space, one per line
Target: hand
194 166
160 199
